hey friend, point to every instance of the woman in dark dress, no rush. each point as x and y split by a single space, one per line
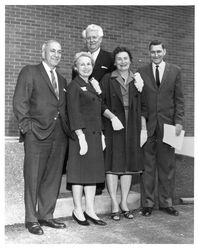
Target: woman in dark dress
85 166
122 97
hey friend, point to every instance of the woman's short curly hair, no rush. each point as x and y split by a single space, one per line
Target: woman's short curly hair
80 54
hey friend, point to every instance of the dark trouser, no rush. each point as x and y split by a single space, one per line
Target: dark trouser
161 157
100 186
43 164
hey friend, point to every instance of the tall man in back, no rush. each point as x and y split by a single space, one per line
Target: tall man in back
103 63
165 104
103 60
39 104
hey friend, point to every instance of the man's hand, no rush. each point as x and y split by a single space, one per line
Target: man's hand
178 129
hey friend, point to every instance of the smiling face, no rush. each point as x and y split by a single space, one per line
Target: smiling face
122 61
157 53
93 40
52 54
84 67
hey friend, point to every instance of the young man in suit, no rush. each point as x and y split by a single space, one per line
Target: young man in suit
103 63
165 104
39 105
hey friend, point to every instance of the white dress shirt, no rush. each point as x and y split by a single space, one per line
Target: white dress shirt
95 54
47 68
160 68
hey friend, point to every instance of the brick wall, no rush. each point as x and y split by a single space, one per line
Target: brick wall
28 26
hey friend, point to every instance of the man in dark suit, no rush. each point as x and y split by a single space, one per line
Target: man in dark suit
39 105
103 63
165 104
103 60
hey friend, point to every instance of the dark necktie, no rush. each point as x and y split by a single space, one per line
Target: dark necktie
54 83
157 76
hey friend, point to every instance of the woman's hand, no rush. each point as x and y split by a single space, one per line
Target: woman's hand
82 141
143 137
103 141
96 85
116 123
143 134
83 144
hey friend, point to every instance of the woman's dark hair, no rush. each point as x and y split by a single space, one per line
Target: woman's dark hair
122 49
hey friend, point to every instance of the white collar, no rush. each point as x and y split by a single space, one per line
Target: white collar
161 65
47 68
95 54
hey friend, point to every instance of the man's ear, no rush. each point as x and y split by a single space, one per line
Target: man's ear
43 50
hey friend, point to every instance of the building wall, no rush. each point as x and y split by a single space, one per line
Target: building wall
27 27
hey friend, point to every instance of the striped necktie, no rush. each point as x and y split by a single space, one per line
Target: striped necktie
54 83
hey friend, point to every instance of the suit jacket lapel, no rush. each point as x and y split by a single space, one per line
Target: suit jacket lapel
45 76
99 57
60 86
98 61
131 92
165 75
151 76
116 86
82 83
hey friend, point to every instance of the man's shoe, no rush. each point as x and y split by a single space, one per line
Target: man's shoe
52 223
96 222
169 210
34 228
147 211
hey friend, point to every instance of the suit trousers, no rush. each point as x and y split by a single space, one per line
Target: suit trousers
43 164
159 158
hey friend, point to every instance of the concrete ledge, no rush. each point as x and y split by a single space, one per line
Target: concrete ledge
14 186
187 200
11 139
15 213
64 207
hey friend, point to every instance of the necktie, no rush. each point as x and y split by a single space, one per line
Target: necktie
54 83
157 76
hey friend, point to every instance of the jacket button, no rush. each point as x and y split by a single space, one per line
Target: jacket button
55 118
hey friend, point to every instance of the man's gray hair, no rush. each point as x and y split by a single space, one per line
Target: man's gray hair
93 27
45 44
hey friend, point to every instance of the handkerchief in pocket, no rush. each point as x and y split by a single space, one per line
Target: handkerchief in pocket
84 88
